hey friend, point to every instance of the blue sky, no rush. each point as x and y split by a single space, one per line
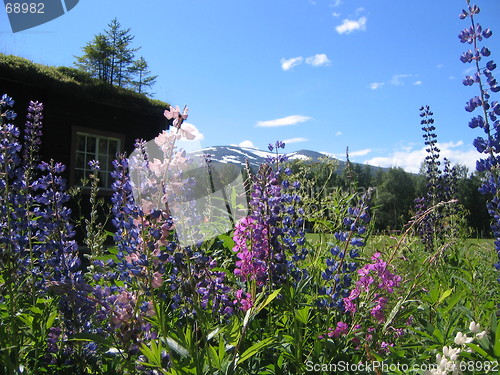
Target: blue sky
322 75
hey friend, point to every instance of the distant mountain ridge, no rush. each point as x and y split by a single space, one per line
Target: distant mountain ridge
255 157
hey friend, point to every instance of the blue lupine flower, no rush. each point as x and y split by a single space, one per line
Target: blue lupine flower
490 145
338 269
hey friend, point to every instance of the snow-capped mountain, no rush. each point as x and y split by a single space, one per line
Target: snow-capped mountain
239 155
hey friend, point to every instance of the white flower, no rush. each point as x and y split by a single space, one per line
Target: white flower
442 362
461 339
474 328
480 335
451 353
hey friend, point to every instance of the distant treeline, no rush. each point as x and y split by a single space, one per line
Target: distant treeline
395 191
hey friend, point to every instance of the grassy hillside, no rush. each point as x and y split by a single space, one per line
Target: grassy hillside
71 81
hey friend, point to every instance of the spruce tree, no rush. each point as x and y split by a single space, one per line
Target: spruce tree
110 58
141 79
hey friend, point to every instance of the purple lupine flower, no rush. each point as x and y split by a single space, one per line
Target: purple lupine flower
488 120
343 263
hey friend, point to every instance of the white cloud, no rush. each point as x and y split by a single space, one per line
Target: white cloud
283 121
337 3
287 64
376 85
439 66
295 140
318 60
336 14
198 136
417 83
410 159
397 79
360 152
247 143
338 133
348 26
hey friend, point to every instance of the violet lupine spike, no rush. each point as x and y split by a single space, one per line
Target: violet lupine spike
33 134
343 261
489 119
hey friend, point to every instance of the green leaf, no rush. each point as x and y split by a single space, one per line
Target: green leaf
439 335
256 348
246 319
268 300
452 302
496 348
422 333
50 320
434 294
302 315
153 354
480 351
227 241
445 295
178 348
233 332
90 337
215 360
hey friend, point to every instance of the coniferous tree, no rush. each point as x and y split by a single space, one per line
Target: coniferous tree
141 79
122 54
96 57
110 58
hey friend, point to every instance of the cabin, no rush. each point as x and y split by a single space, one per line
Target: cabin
84 119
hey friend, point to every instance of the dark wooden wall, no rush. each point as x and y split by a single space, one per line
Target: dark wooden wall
64 111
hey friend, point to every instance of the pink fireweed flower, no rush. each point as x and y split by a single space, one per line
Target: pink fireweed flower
378 311
243 299
341 329
374 275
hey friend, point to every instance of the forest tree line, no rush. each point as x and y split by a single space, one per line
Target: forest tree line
395 191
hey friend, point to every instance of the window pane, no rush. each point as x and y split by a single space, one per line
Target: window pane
80 144
80 160
113 148
103 146
91 144
95 147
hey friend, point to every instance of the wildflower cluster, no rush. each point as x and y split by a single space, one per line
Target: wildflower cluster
448 362
371 294
269 242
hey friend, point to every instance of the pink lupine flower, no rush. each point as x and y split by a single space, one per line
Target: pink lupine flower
174 113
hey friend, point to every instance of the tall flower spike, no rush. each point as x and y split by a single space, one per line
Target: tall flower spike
344 260
488 120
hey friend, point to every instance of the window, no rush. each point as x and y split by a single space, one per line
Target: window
95 147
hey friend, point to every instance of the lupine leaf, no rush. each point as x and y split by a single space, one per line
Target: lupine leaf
255 348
